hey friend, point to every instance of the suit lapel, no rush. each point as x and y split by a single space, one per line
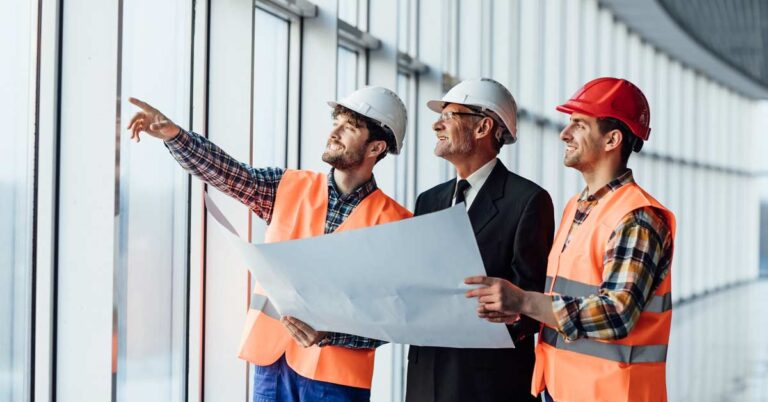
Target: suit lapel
483 208
438 199
445 196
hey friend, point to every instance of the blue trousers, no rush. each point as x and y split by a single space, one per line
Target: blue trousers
279 383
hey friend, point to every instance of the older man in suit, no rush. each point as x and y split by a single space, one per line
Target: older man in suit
513 222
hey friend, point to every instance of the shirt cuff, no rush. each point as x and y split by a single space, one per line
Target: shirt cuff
178 142
325 341
335 339
349 341
567 324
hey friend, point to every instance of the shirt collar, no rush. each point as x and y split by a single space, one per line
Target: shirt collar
479 176
360 192
613 185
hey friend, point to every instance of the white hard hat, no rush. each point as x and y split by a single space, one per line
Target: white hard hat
486 94
379 104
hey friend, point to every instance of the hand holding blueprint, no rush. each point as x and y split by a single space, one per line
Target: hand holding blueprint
400 282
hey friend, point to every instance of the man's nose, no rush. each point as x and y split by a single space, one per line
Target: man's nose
335 133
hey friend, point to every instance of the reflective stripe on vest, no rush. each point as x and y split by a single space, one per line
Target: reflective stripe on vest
300 209
610 351
565 286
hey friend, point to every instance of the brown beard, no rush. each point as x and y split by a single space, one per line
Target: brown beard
347 159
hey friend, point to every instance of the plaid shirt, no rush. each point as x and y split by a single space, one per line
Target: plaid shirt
637 259
256 188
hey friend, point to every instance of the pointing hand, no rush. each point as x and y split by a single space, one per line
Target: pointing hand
151 121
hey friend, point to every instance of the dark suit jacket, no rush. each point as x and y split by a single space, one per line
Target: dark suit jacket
513 220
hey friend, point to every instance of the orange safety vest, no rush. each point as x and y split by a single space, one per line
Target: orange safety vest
301 204
631 369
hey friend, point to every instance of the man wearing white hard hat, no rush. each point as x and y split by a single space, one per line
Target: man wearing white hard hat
513 222
293 362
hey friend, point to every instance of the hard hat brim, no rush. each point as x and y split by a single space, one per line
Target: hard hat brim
436 105
570 110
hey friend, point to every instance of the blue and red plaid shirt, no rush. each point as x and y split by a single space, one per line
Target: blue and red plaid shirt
256 188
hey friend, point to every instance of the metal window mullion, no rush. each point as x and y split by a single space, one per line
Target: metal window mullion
48 36
410 64
298 8
353 37
195 298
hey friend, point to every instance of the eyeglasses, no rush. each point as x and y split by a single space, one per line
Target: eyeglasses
445 116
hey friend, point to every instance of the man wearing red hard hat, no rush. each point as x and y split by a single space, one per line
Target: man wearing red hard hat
607 309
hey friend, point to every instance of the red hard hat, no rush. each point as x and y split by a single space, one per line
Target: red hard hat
613 97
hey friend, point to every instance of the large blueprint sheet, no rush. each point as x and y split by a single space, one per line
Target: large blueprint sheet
401 282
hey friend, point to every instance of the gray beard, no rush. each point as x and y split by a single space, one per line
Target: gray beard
464 147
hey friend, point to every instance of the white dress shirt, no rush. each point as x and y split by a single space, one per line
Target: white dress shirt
476 181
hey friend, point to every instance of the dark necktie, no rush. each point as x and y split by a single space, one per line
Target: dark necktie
461 187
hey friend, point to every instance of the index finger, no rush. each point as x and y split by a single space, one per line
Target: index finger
144 105
479 280
478 292
300 325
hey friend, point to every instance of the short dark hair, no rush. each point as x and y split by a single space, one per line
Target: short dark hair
628 139
497 141
376 132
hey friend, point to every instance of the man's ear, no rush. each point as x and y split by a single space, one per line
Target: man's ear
375 148
613 140
484 128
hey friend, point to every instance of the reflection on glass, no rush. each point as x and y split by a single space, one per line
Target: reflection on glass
151 262
270 98
346 73
270 89
403 25
16 202
401 162
717 348
152 276
15 251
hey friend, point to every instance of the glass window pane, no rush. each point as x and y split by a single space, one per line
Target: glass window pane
152 254
346 73
469 39
406 161
270 98
16 202
553 54
348 11
270 89
530 55
403 25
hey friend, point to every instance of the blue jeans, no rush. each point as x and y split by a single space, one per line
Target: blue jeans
279 383
547 396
